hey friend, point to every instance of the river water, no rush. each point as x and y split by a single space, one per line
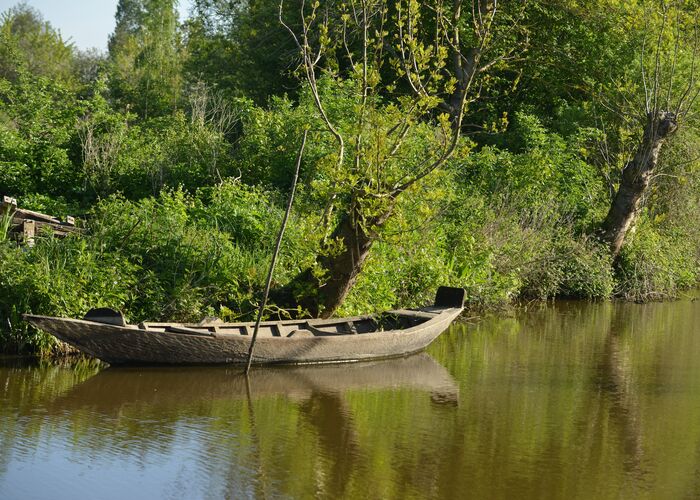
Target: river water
576 400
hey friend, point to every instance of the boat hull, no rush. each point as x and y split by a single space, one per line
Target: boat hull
118 345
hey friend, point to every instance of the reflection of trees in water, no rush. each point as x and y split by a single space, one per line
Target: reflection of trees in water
8 438
311 442
349 457
261 479
694 489
24 387
554 406
616 382
331 418
343 455
639 414
326 421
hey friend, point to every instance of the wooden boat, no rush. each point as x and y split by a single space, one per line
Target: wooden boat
104 334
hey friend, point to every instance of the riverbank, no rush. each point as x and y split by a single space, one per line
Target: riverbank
63 354
507 192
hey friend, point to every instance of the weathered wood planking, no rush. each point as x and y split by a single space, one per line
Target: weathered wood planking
26 225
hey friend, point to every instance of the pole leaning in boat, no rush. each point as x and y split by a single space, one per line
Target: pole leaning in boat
276 253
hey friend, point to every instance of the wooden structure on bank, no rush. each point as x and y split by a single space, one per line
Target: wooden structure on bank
25 225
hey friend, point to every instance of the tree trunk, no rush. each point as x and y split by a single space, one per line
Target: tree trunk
635 179
322 298
344 267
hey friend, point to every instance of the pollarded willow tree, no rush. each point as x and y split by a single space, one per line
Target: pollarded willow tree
407 72
670 86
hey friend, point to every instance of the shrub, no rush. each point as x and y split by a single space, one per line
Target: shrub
60 278
656 265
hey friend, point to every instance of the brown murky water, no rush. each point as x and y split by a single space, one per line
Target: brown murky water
573 401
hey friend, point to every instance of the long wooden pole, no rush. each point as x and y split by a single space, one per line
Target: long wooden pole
276 253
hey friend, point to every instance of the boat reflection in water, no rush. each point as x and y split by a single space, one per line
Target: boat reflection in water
111 389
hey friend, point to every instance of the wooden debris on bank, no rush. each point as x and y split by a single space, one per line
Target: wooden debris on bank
25 225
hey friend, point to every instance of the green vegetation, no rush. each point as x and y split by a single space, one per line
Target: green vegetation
475 148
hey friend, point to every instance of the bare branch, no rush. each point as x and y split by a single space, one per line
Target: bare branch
691 78
310 70
677 36
657 63
647 97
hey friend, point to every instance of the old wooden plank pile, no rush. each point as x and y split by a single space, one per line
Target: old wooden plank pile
25 225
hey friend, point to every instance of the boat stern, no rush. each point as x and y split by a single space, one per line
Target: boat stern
450 298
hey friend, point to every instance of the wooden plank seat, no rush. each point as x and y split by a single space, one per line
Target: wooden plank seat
318 332
189 331
323 328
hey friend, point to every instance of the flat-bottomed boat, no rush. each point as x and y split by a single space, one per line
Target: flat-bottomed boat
104 334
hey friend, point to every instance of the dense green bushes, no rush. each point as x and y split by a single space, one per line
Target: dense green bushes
172 256
182 256
179 184
657 264
506 224
55 277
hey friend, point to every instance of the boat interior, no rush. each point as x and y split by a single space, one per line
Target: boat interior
392 320
399 319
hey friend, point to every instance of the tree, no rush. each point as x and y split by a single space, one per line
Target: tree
146 57
26 40
667 69
39 107
239 48
357 58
